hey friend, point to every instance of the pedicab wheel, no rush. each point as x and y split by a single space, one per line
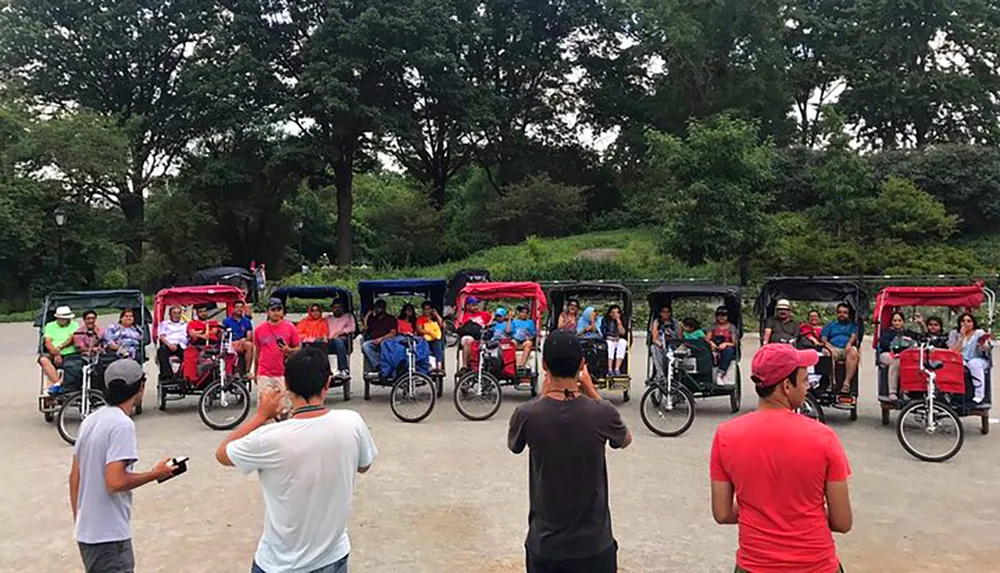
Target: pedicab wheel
70 416
49 416
224 407
478 397
811 409
625 396
161 398
347 390
854 411
412 397
885 416
736 398
984 427
368 389
930 435
667 415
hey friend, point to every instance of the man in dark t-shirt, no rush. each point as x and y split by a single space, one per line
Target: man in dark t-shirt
566 429
378 325
781 327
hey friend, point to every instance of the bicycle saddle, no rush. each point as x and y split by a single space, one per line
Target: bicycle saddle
934 365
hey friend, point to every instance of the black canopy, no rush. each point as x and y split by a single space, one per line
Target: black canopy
559 294
316 292
79 301
235 276
820 289
666 294
458 281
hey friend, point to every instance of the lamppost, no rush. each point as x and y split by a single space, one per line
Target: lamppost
60 216
298 227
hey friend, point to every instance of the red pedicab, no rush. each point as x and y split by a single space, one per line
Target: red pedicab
493 362
209 370
935 384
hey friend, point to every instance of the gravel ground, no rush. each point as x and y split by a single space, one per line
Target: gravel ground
445 495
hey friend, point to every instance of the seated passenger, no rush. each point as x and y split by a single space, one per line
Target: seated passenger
840 337
430 325
524 332
811 331
500 324
692 329
199 329
569 317
87 338
173 339
781 327
613 331
378 325
407 320
723 340
242 328
124 337
340 326
664 328
974 345
589 325
886 357
313 329
473 322
933 330
57 338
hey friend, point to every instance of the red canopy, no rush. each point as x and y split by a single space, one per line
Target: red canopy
890 299
498 291
192 295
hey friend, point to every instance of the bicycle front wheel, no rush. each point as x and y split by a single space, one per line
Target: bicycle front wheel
412 397
71 414
667 414
224 406
478 396
930 434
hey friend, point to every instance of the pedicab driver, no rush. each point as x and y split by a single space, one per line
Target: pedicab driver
788 474
274 340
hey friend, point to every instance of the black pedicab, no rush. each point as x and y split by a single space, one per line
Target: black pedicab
233 276
82 388
404 360
936 387
456 283
687 367
336 295
598 352
826 379
493 359
209 370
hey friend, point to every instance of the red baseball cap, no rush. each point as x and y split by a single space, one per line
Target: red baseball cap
776 362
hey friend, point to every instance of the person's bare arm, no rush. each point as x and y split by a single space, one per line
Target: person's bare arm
391 334
838 506
767 336
656 333
724 508
118 479
627 441
852 341
49 347
74 486
268 408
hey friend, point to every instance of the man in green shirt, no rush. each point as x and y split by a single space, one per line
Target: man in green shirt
57 338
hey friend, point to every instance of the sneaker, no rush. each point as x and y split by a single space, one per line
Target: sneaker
892 398
55 389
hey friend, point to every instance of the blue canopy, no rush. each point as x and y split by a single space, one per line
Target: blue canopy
316 292
430 289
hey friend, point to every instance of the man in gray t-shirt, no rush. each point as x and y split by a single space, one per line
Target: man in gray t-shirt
101 483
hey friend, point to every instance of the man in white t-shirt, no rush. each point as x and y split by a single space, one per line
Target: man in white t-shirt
307 467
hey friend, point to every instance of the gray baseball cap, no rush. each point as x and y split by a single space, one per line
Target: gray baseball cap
125 369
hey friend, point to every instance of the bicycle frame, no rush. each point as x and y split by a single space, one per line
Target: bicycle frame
88 367
931 387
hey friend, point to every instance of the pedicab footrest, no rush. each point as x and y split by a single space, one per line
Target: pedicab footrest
950 375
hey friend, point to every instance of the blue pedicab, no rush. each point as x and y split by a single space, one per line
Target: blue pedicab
336 295
83 376
404 360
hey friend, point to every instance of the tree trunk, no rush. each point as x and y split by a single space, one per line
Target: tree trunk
744 270
133 208
438 187
344 174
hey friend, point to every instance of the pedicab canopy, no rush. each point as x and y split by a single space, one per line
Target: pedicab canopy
316 292
966 297
425 289
79 301
666 294
500 291
463 277
235 276
561 293
194 295
813 289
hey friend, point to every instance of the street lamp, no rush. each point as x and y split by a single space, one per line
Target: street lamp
60 216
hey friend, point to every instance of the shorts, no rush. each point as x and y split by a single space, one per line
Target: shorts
274 382
110 557
467 340
839 354
604 562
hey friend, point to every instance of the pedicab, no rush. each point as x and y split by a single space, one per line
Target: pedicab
405 359
492 361
935 383
688 369
334 294
234 276
826 379
82 388
209 371
456 283
597 351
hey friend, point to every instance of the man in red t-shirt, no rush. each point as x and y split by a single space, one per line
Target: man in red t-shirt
275 339
788 473
471 315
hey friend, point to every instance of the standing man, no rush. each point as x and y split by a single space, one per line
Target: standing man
566 429
780 328
379 325
341 327
840 337
274 341
57 338
307 466
173 338
242 328
788 473
101 480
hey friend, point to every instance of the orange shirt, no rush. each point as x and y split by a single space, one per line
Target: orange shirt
311 330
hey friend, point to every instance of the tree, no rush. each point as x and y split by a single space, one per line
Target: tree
722 173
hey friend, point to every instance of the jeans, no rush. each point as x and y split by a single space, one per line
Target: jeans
659 361
110 557
163 354
726 357
338 346
604 562
437 350
370 349
338 567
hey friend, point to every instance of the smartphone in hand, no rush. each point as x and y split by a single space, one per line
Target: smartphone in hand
179 465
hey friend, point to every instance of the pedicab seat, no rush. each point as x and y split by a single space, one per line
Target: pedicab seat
595 351
947 363
392 356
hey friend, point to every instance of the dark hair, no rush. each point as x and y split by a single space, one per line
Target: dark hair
522 308
307 372
118 391
936 319
844 305
975 323
239 303
426 303
765 391
380 303
691 323
562 354
816 311
610 308
665 307
89 312
570 301
122 314
411 319
894 315
316 306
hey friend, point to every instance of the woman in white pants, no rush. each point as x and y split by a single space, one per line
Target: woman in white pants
974 345
614 334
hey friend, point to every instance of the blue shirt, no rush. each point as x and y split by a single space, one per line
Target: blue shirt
522 330
239 328
839 333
